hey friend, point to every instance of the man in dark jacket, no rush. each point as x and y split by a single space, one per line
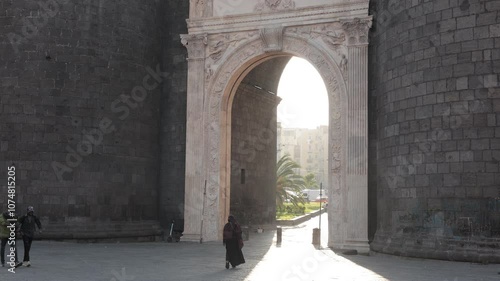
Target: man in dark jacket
27 227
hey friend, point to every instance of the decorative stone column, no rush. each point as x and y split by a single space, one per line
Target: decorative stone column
195 169
357 134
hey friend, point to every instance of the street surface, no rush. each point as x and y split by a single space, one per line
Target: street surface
296 259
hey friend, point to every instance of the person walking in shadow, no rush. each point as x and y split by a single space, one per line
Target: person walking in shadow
27 227
234 242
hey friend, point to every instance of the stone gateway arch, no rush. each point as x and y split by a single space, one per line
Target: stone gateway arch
226 40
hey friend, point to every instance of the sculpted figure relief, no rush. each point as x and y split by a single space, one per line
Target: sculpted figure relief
219 45
201 8
343 66
272 5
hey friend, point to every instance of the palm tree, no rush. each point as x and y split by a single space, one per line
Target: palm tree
310 181
289 185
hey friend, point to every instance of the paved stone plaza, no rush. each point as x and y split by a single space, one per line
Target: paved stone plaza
296 259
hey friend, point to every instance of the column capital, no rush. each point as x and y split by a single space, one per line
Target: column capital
195 44
357 31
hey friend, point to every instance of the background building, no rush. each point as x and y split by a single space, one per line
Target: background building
307 147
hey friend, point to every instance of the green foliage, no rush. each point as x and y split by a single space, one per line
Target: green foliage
293 209
289 185
289 211
310 181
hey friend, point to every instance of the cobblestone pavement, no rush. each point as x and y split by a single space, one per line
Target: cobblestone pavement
296 259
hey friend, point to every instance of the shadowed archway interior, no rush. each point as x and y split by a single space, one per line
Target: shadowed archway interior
253 144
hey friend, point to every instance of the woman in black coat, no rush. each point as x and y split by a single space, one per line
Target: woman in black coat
233 241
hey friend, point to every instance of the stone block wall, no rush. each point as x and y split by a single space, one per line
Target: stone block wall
434 88
173 111
253 155
79 109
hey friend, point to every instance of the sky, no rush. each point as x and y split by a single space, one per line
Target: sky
304 98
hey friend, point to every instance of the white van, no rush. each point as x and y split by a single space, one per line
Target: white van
313 195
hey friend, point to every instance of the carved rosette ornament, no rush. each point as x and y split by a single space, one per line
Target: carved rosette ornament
274 5
357 31
195 45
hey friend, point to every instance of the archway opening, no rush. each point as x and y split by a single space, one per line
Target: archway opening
268 121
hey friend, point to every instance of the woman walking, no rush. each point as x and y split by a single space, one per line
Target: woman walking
233 241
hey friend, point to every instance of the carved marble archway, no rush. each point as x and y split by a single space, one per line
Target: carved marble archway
220 57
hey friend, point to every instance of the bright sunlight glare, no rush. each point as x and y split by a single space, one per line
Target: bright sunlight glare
305 99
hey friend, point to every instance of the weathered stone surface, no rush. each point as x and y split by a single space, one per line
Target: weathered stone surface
253 148
80 100
456 116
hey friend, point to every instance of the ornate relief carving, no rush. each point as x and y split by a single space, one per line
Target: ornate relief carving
209 8
221 44
195 44
272 38
273 5
357 31
343 67
214 134
332 35
201 8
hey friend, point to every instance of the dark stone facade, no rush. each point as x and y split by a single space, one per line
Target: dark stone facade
434 92
173 112
88 90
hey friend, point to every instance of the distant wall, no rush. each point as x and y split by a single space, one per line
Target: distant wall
253 155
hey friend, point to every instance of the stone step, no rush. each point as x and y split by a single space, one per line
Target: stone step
102 230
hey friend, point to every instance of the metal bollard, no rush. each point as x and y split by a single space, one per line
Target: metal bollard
278 235
245 233
316 236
